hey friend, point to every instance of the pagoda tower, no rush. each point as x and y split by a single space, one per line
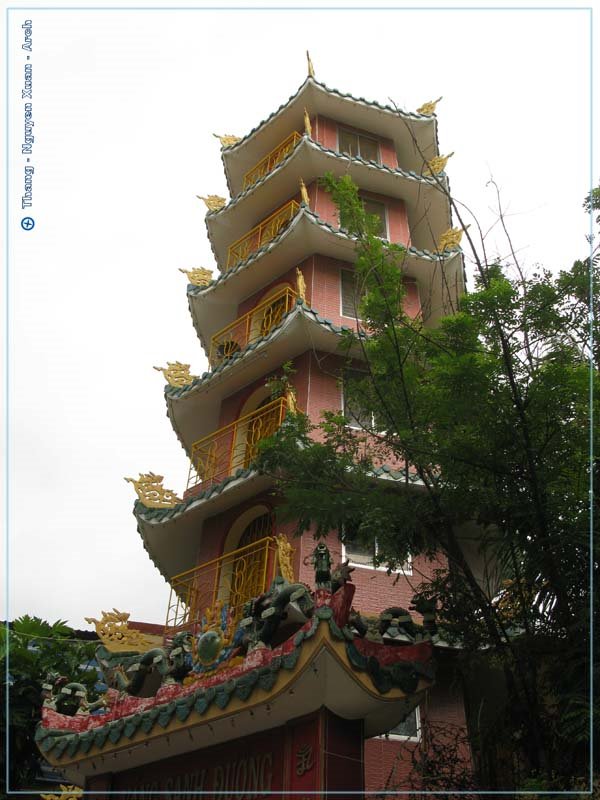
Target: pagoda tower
284 293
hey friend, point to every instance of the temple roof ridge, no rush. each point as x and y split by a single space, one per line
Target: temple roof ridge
412 115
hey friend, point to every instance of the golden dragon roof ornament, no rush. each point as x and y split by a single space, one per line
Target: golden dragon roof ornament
427 109
199 276
68 792
450 239
177 374
151 492
213 202
437 164
115 633
227 140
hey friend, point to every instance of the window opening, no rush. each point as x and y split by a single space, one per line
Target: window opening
355 144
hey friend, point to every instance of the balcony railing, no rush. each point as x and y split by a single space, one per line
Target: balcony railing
230 580
251 326
261 234
266 164
236 445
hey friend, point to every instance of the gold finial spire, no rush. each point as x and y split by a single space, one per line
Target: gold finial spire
227 140
300 284
213 201
151 492
304 193
311 69
199 276
437 164
307 125
427 109
450 239
177 374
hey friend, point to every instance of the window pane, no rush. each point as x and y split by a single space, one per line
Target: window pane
348 142
407 727
369 149
372 207
358 553
350 300
358 416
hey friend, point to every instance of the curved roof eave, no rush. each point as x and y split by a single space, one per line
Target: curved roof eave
228 368
231 294
215 219
312 82
171 536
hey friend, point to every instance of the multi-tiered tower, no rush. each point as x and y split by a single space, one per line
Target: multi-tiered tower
284 293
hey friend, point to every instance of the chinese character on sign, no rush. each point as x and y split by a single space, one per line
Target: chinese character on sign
304 759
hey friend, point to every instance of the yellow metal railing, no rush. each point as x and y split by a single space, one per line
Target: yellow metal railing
232 579
251 326
266 164
261 234
236 445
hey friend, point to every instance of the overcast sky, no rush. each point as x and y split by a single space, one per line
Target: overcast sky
125 103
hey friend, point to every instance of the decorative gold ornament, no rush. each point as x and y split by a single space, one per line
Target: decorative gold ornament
227 140
151 493
69 792
213 202
177 374
307 125
450 238
437 164
115 634
284 554
199 276
304 193
300 284
427 109
311 69
290 399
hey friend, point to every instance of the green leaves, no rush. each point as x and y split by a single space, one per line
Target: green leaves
34 648
483 427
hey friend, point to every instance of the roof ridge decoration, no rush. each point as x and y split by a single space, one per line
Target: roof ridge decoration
151 492
412 115
176 373
382 654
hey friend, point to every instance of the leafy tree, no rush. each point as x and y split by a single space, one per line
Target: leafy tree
30 649
488 415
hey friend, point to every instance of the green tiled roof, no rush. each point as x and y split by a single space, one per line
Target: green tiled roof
413 115
404 675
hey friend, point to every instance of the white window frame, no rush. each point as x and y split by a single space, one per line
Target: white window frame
343 128
399 737
405 569
342 314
